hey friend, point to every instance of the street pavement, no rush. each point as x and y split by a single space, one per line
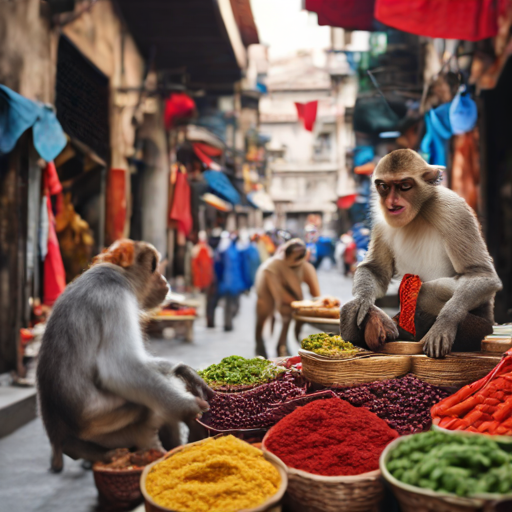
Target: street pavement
26 485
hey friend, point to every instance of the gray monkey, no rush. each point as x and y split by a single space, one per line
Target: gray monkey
426 230
98 387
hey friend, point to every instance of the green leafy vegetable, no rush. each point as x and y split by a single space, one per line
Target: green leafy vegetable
237 371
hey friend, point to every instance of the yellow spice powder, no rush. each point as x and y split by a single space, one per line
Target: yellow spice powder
218 475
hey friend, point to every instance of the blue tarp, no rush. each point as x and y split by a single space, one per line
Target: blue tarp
219 184
18 114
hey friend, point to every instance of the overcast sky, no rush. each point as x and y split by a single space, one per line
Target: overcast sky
285 28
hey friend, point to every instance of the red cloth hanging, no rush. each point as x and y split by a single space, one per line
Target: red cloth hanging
307 114
347 14
116 204
469 20
178 106
54 274
180 211
202 266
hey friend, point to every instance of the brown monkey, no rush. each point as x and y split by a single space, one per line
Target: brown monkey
99 389
427 230
279 283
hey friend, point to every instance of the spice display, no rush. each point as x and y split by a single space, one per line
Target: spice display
485 406
237 371
403 403
255 408
221 474
124 459
329 345
452 463
330 437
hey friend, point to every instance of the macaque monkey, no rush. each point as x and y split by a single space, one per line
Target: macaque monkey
278 283
426 230
99 389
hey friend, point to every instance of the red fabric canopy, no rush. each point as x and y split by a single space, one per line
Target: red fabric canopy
348 14
205 151
307 113
470 20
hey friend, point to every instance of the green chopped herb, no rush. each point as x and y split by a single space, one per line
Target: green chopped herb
328 345
238 371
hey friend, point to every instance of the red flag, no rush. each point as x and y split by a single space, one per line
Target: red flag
307 114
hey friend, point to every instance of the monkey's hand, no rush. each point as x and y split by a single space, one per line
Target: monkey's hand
379 329
195 384
439 340
352 317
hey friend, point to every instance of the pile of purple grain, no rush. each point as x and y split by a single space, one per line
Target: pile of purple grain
257 408
404 404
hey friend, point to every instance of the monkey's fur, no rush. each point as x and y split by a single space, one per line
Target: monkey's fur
438 238
278 284
98 387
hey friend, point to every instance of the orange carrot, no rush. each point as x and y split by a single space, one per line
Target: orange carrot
473 416
503 412
462 408
447 422
491 401
484 426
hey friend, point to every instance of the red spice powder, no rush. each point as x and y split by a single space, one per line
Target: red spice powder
331 438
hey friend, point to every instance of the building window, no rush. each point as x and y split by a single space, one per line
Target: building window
322 148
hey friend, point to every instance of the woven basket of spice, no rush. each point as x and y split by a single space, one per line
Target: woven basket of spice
448 473
118 481
201 476
331 450
359 369
456 369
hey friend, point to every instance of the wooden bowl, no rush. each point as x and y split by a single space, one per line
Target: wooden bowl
271 505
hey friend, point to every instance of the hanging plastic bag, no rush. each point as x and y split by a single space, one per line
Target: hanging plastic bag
463 112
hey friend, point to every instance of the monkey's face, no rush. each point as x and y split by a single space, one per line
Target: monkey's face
397 200
140 263
154 286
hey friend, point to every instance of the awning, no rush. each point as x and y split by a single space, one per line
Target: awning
200 134
199 37
204 152
18 114
217 202
260 199
219 184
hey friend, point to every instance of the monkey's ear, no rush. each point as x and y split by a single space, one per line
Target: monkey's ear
148 256
120 253
434 175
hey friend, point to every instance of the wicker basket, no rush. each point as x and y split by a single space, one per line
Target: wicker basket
271 505
456 369
360 369
416 499
316 312
118 489
315 493
407 348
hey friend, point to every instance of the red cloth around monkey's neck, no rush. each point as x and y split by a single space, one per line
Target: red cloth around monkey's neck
409 291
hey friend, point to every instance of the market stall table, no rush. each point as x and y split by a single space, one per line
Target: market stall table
183 324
